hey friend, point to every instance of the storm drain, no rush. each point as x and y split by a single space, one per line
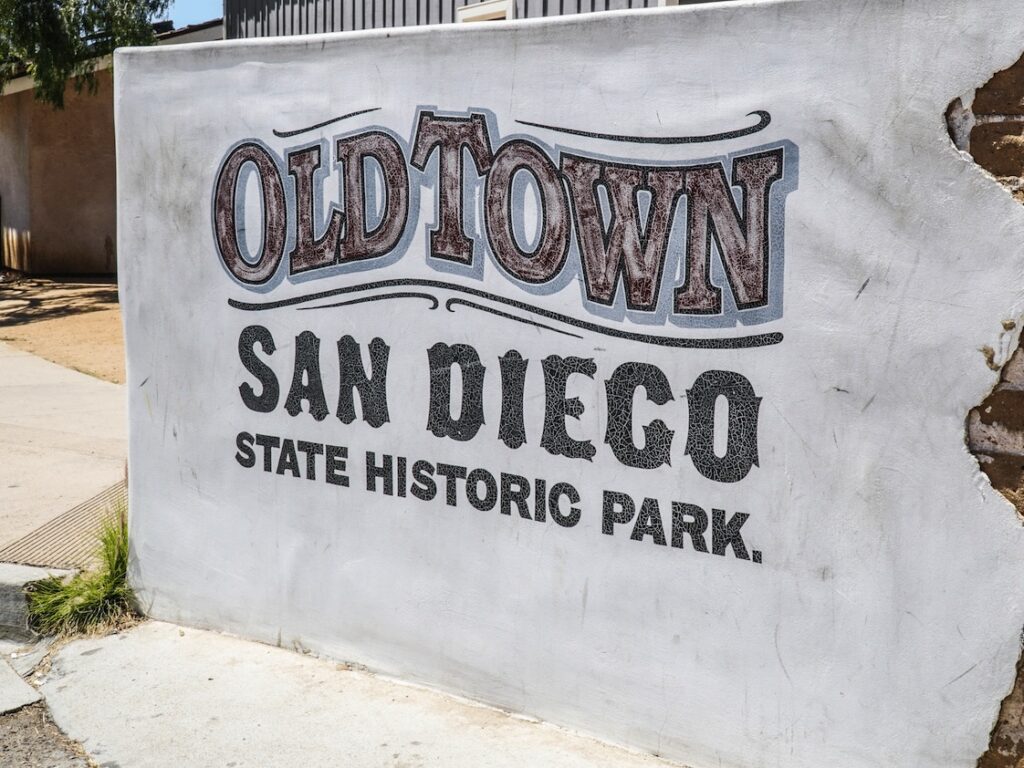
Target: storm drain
70 540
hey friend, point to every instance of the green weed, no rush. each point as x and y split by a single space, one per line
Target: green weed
91 601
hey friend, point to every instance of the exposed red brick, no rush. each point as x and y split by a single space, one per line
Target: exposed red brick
1003 94
999 147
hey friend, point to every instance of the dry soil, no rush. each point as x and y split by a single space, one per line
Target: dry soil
29 739
75 322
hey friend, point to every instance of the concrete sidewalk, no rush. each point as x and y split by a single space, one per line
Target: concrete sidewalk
63 439
158 695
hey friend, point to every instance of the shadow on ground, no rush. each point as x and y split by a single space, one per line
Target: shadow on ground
30 300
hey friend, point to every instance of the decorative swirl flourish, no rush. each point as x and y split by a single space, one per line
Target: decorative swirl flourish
764 118
286 134
379 297
730 342
463 302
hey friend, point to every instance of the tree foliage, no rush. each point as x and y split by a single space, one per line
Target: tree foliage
59 40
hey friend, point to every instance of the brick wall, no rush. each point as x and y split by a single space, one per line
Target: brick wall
989 124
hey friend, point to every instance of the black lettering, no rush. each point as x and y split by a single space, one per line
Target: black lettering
270 391
689 520
373 390
626 379
401 476
490 497
728 534
424 487
741 447
288 460
471 414
306 382
311 451
557 407
648 523
383 471
451 473
540 500
245 456
511 429
564 519
520 495
334 464
268 443
617 509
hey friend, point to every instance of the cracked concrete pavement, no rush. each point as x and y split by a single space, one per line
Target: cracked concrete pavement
161 695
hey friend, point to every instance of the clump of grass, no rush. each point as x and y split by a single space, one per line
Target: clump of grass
91 601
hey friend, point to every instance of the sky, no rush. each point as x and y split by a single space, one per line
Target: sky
185 12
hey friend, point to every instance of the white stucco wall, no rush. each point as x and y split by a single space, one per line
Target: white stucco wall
881 627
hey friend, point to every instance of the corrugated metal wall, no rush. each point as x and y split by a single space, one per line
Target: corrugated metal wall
263 18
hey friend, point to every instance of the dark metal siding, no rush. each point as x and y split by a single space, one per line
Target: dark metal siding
265 18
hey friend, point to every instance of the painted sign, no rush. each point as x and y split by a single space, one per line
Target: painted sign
581 382
637 241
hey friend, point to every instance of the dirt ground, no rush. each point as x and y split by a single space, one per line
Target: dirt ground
29 739
73 322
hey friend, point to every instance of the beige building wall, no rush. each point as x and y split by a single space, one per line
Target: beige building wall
73 172
57 182
14 179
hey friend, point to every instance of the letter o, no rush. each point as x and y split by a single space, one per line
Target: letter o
547 258
490 497
274 214
741 446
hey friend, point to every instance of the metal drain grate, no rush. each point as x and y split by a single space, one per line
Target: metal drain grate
68 541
